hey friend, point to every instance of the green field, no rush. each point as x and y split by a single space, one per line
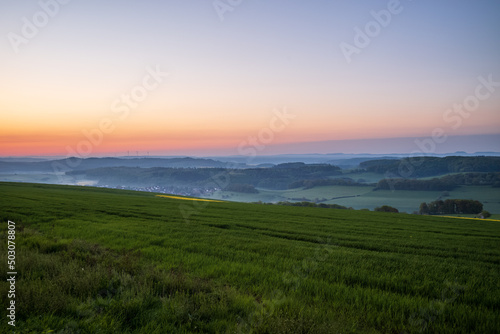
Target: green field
357 197
93 260
364 176
36 177
360 197
328 193
409 200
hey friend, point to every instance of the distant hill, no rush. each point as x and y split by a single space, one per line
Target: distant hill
432 166
354 162
277 177
91 163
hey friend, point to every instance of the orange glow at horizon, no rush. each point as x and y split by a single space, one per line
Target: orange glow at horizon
164 128
167 76
144 135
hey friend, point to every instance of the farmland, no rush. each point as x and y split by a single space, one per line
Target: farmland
371 184
101 260
365 196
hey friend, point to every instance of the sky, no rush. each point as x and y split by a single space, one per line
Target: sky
93 78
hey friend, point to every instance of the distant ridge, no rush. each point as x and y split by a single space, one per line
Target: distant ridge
90 163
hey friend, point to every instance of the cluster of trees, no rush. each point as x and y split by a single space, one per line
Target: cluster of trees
473 179
380 166
386 208
433 166
295 175
411 184
157 176
92 163
451 206
383 208
277 177
314 205
444 183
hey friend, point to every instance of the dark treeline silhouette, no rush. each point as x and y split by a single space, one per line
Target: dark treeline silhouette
432 166
67 164
386 208
419 185
473 179
278 177
448 182
314 205
451 206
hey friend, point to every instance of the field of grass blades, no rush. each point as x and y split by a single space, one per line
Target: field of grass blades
92 260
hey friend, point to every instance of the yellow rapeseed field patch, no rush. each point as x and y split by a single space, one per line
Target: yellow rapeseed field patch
492 220
189 199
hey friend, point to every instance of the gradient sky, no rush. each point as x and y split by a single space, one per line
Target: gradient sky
228 77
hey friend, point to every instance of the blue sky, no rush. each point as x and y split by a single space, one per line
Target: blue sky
227 76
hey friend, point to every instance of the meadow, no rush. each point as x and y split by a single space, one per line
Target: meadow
365 197
361 196
327 193
94 260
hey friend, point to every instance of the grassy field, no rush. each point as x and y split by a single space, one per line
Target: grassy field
365 176
362 197
403 200
365 197
35 177
494 217
271 196
92 260
50 178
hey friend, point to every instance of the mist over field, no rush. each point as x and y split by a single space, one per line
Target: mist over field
353 181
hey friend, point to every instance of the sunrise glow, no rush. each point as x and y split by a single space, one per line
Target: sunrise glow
183 78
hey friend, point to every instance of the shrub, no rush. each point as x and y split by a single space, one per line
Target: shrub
485 214
386 208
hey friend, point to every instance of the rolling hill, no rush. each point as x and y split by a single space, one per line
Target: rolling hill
103 260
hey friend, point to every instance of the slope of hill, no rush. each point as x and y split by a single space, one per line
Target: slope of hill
101 260
90 163
276 177
432 166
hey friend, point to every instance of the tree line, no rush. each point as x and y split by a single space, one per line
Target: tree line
433 166
314 205
445 183
451 206
277 178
